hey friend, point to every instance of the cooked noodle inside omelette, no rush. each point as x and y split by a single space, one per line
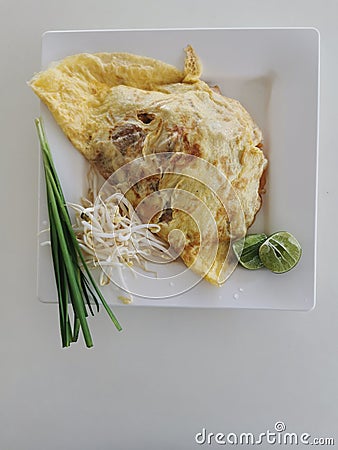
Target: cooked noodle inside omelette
117 107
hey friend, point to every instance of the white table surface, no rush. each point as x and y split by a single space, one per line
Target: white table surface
170 372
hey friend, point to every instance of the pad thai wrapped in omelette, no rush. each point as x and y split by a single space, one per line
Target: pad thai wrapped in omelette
118 108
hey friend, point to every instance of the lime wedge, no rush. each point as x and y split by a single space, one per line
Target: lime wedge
280 252
247 250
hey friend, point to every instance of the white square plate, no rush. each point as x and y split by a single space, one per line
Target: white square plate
274 73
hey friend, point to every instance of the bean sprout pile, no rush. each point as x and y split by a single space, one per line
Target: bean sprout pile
111 234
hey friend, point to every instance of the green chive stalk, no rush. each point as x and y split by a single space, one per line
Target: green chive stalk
75 284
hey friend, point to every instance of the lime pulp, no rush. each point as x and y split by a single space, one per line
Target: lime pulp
247 250
280 252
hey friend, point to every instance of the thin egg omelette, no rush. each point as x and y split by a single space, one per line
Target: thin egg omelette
117 108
